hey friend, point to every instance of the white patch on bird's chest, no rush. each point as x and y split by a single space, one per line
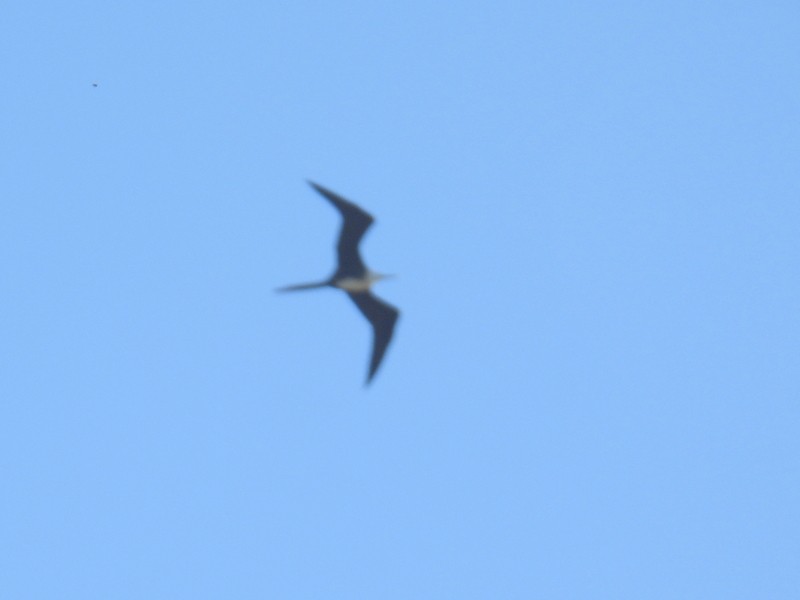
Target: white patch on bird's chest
354 284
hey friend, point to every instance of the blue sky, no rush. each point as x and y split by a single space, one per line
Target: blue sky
593 211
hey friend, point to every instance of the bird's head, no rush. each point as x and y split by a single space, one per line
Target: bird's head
373 276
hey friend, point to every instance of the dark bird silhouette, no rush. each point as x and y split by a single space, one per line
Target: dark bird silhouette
353 277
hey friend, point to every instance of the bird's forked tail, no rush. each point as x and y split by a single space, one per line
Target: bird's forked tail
303 286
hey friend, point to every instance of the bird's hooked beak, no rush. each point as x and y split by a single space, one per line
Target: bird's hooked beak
381 276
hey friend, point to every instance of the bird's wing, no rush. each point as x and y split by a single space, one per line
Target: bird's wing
383 317
355 222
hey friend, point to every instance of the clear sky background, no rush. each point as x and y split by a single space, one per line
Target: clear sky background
593 211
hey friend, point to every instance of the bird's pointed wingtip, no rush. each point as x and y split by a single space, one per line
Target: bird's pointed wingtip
321 189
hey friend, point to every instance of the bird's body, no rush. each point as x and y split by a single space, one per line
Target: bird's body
354 278
358 284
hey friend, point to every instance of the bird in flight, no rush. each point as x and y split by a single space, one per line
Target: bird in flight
353 277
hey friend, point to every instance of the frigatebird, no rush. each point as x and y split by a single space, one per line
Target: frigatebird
353 277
